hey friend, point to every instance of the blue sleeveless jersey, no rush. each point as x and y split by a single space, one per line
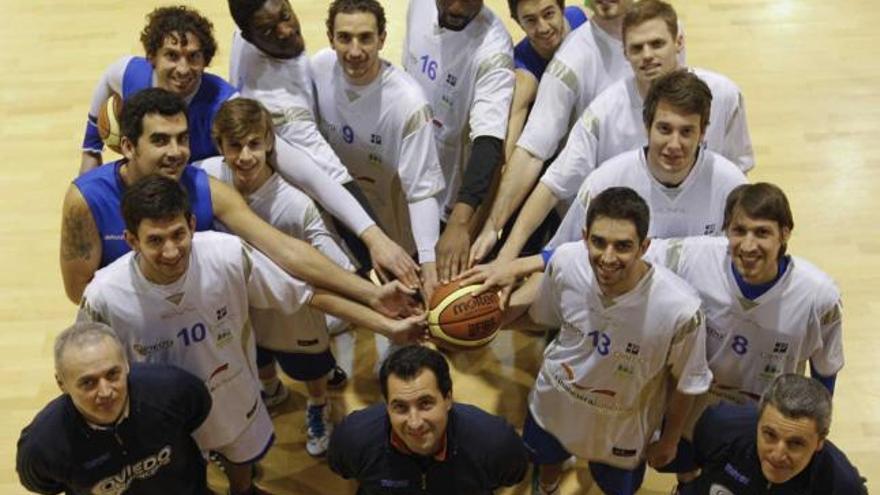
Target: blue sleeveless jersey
102 189
212 92
525 56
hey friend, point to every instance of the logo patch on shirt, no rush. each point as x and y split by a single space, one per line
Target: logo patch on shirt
307 343
394 483
710 229
736 475
632 348
147 349
780 348
141 469
451 80
375 139
221 313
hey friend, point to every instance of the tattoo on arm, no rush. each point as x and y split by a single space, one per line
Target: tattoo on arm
77 234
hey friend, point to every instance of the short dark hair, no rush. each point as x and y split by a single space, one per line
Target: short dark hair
620 203
683 90
352 6
406 362
177 21
796 396
761 200
154 197
242 12
646 10
513 4
144 102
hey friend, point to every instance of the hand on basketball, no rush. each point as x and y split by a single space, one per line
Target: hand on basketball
410 330
391 261
396 300
493 276
661 453
429 280
483 244
452 251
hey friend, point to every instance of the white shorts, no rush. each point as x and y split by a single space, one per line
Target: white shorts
254 441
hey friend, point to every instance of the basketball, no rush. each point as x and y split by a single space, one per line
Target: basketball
108 122
459 320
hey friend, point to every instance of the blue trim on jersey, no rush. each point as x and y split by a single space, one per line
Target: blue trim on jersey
213 92
546 254
524 54
827 381
102 189
754 291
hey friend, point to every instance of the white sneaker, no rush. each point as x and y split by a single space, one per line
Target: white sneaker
318 429
276 397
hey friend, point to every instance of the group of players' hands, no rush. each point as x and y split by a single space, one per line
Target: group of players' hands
407 287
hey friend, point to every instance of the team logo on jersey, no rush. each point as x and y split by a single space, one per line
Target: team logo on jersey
780 348
710 229
375 139
147 467
451 80
375 160
221 313
224 336
632 348
147 349
733 473
625 369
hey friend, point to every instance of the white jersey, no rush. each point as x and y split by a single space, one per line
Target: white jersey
285 88
588 61
613 124
383 134
200 322
603 385
750 342
467 77
289 210
695 207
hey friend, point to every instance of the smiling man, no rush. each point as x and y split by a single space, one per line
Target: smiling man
422 441
378 122
613 122
780 447
767 312
178 45
116 428
684 184
183 298
629 356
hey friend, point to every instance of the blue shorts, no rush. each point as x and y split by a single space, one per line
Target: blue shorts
298 365
545 448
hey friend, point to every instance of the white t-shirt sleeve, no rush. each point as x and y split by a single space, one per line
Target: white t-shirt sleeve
419 168
828 358
299 127
687 356
577 159
424 218
296 166
737 141
269 286
551 113
545 309
316 233
493 91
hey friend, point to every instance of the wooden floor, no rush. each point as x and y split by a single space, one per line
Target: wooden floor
809 71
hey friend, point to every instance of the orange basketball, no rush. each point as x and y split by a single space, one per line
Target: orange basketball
460 320
108 122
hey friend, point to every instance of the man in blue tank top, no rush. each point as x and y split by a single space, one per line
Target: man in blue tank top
179 44
155 139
